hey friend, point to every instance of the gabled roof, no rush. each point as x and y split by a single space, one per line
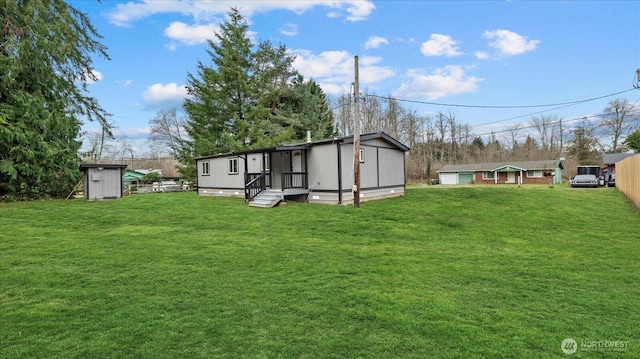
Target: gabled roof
611 158
306 145
504 166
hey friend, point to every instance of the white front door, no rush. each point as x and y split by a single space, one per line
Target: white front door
511 177
296 161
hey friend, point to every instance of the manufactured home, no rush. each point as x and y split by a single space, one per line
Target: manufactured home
314 171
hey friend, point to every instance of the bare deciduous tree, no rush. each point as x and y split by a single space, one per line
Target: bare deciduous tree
619 118
167 130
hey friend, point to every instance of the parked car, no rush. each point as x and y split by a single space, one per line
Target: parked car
586 180
612 181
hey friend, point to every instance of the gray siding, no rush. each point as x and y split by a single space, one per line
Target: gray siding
391 167
346 151
330 168
383 165
369 168
377 142
254 161
323 167
103 184
218 174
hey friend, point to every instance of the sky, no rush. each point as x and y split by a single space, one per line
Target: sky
491 64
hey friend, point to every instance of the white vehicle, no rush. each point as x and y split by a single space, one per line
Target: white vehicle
165 186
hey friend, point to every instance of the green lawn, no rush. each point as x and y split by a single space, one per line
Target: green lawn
470 272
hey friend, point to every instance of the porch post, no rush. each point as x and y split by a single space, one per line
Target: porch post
520 179
339 173
282 170
306 171
495 177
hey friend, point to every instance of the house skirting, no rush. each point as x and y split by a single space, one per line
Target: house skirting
332 197
224 192
318 196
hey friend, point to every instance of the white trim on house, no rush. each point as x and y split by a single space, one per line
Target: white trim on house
232 166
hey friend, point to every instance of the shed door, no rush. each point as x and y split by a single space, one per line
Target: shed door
448 178
465 178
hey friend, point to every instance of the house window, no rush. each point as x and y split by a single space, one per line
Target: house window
534 173
488 175
361 155
233 166
264 165
205 168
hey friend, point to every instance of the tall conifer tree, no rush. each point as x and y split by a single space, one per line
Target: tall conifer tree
46 49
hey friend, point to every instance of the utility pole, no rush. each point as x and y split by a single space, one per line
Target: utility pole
356 139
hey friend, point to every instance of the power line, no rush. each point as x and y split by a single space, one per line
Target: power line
521 116
503 106
550 123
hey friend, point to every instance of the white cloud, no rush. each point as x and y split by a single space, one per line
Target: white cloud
334 70
169 94
359 10
289 29
171 46
205 11
440 45
481 55
509 43
449 80
190 34
374 42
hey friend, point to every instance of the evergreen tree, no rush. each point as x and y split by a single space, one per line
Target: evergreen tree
249 97
583 145
633 141
308 108
46 49
222 97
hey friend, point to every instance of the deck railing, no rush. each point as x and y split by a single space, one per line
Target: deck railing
294 180
255 183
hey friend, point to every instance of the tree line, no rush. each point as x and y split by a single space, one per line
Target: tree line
440 139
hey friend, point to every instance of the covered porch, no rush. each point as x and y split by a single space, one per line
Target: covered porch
513 174
283 169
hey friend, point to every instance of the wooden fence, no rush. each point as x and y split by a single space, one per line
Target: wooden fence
628 178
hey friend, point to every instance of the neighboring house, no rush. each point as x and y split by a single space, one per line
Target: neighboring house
133 177
516 172
102 181
315 171
609 161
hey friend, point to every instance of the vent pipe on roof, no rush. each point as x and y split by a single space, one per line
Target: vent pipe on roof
308 136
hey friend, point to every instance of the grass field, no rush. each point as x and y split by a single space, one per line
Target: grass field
471 272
